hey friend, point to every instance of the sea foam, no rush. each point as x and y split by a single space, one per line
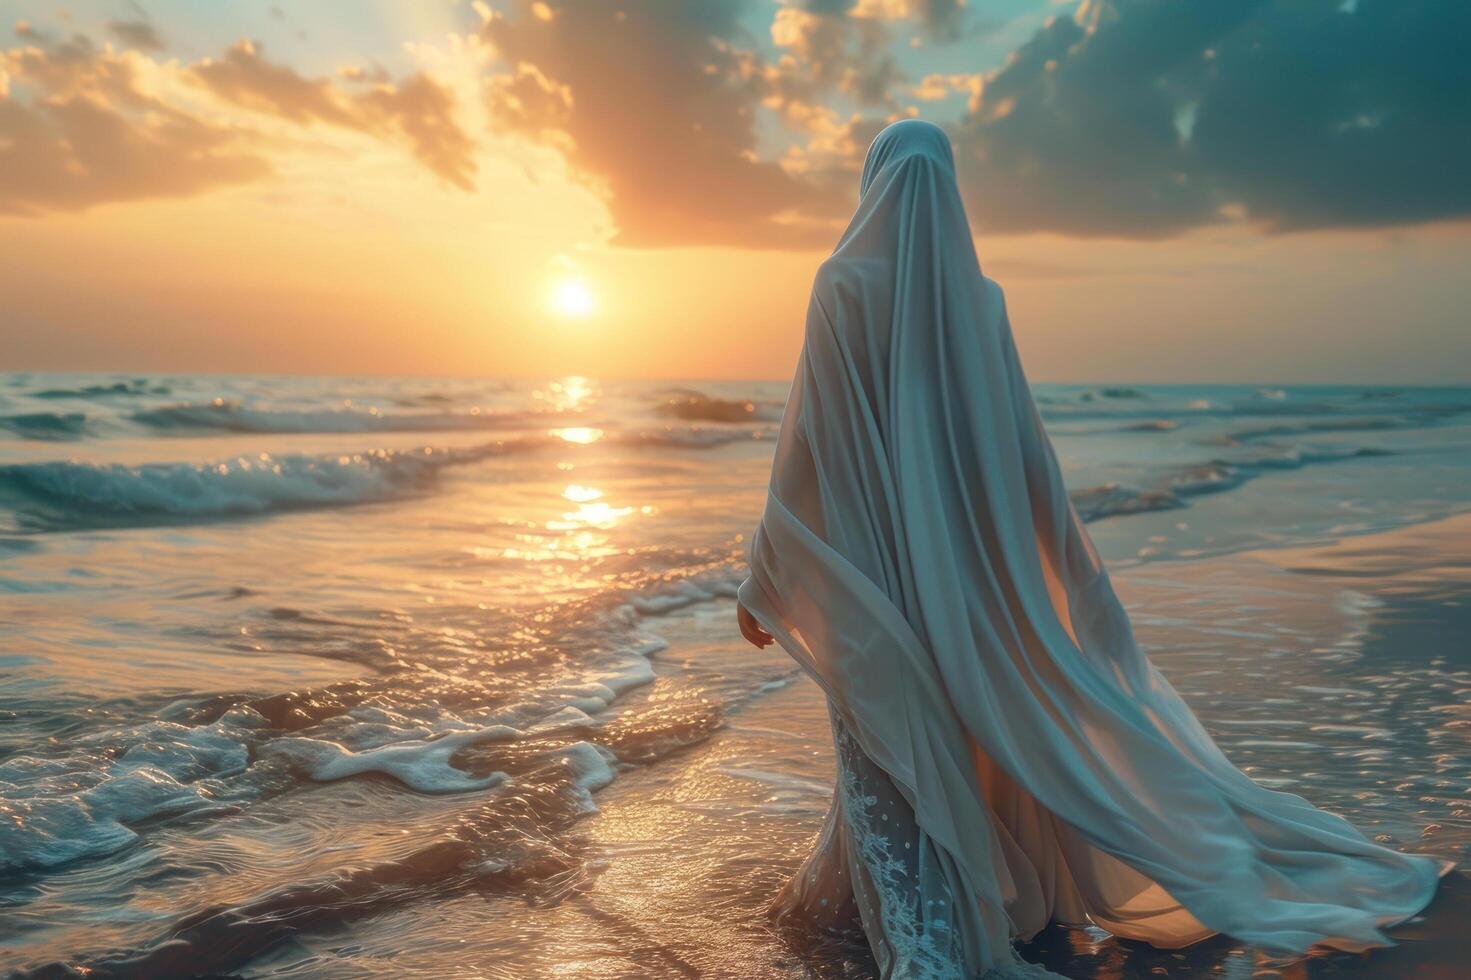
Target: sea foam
420 765
56 810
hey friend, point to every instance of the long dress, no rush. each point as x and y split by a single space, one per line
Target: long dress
1007 756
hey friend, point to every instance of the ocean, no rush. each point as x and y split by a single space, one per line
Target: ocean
315 676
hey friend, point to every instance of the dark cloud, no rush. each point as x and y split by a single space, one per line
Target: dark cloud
93 136
835 51
417 108
945 20
1372 127
655 103
138 34
1150 117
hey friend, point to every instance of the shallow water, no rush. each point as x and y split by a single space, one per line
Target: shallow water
346 677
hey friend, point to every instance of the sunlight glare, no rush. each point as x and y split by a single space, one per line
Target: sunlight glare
599 515
571 394
581 495
581 435
572 298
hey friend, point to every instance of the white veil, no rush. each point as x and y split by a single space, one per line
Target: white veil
918 555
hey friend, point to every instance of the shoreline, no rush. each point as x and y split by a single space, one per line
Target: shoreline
696 844
1335 670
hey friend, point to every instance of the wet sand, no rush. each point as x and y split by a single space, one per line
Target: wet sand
1338 672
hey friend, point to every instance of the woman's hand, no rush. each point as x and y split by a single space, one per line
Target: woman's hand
752 630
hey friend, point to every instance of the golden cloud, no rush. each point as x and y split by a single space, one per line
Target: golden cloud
93 134
82 125
417 109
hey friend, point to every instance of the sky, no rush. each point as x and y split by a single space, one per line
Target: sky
1218 190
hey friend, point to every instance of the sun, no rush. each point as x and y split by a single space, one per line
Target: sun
572 298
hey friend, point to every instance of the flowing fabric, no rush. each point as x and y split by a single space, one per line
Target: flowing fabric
1007 755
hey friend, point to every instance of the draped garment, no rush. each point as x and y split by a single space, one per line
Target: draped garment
1007 754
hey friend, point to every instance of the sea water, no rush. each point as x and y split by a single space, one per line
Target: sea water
304 664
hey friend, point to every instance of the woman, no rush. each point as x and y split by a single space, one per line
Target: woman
1006 754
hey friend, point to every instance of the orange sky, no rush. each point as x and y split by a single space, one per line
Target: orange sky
405 195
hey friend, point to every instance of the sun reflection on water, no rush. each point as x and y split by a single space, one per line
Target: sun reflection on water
598 514
581 495
581 435
571 394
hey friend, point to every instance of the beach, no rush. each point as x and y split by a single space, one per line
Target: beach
688 850
367 677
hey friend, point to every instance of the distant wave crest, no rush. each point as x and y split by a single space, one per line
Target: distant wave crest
62 495
1216 476
695 406
124 389
223 415
50 426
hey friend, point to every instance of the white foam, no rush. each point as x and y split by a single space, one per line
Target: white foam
595 692
419 765
54 810
559 721
686 592
51 830
185 753
591 765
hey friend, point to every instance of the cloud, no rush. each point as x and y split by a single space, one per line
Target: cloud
424 111
138 34
934 87
698 123
416 109
655 104
82 125
1148 118
830 46
94 135
1373 127
942 20
243 76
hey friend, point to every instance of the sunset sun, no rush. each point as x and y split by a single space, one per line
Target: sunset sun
572 298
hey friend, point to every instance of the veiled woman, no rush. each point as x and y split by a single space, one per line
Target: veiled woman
1006 754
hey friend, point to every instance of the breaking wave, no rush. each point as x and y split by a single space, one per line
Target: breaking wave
72 494
124 389
67 495
1114 500
691 437
695 406
1216 476
50 426
222 415
1322 427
